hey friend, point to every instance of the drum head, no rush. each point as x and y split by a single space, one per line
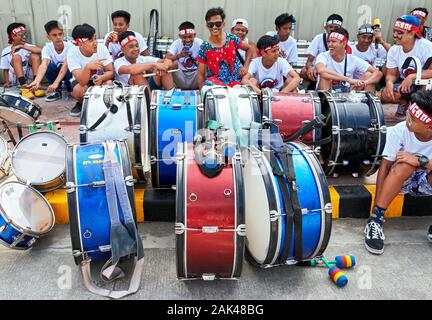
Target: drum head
27 208
40 158
14 112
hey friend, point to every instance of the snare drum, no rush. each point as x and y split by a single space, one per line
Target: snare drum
5 161
174 118
39 159
14 108
25 216
277 232
355 121
235 109
115 113
210 214
88 207
294 110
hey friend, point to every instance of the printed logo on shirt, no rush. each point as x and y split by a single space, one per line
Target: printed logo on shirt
189 63
283 54
269 83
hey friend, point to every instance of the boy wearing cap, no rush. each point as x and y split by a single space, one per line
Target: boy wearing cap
399 80
184 52
288 45
121 21
90 64
20 61
132 66
240 28
339 70
422 14
367 49
406 167
54 65
269 70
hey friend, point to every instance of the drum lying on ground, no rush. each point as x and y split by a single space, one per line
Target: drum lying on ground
39 159
14 108
25 215
5 160
210 219
175 117
355 121
119 124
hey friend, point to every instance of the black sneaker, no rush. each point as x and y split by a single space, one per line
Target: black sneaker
374 240
76 110
429 236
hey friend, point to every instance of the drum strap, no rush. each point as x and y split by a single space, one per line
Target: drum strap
187 96
168 96
125 240
125 98
235 118
317 123
111 108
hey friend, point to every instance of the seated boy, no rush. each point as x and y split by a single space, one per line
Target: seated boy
184 53
406 167
121 21
370 48
270 70
131 68
339 70
240 28
90 64
54 65
288 45
20 61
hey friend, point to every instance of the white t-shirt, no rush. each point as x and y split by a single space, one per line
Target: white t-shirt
76 60
399 138
271 78
317 47
6 62
50 53
124 78
372 53
356 67
190 63
288 49
115 48
396 56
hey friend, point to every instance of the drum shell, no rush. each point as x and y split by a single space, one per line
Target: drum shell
88 208
11 232
19 109
178 124
5 161
115 126
198 253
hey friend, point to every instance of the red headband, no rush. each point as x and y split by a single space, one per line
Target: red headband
187 32
341 37
405 26
419 13
268 49
80 41
128 40
419 114
15 32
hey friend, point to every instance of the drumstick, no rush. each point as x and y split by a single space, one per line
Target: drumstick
155 74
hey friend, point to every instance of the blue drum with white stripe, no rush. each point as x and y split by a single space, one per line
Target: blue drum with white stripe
175 117
286 226
25 216
88 207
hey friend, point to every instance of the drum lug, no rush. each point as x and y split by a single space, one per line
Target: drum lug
334 164
4 227
17 240
336 130
180 229
137 129
328 208
200 107
210 230
180 156
241 230
76 253
83 129
153 160
305 100
130 181
153 106
383 129
70 187
274 216
176 107
355 175
105 248
237 156
31 243
209 277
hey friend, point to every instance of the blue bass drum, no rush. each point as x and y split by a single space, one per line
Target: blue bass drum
279 231
175 117
88 207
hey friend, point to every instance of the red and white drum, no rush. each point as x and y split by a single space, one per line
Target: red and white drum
294 110
210 218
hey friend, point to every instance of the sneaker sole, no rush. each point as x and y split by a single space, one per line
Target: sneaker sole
374 251
429 237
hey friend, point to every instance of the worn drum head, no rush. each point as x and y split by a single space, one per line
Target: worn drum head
26 208
40 158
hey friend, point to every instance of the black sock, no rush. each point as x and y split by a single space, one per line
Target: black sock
378 215
22 81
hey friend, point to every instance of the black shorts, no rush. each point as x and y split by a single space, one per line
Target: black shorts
74 84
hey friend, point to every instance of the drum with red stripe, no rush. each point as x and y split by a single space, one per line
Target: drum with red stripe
210 218
294 110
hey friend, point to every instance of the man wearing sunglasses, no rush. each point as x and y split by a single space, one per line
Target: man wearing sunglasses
219 64
399 80
20 61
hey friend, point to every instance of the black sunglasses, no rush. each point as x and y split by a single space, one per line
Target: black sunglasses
218 24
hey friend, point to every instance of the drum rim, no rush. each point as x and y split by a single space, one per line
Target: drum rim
19 112
59 177
16 226
8 245
7 156
17 95
181 239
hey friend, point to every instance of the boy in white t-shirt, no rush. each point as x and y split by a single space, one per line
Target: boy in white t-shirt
399 80
341 71
131 67
121 21
270 70
422 14
406 167
240 28
90 64
288 45
20 61
184 52
368 49
54 66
